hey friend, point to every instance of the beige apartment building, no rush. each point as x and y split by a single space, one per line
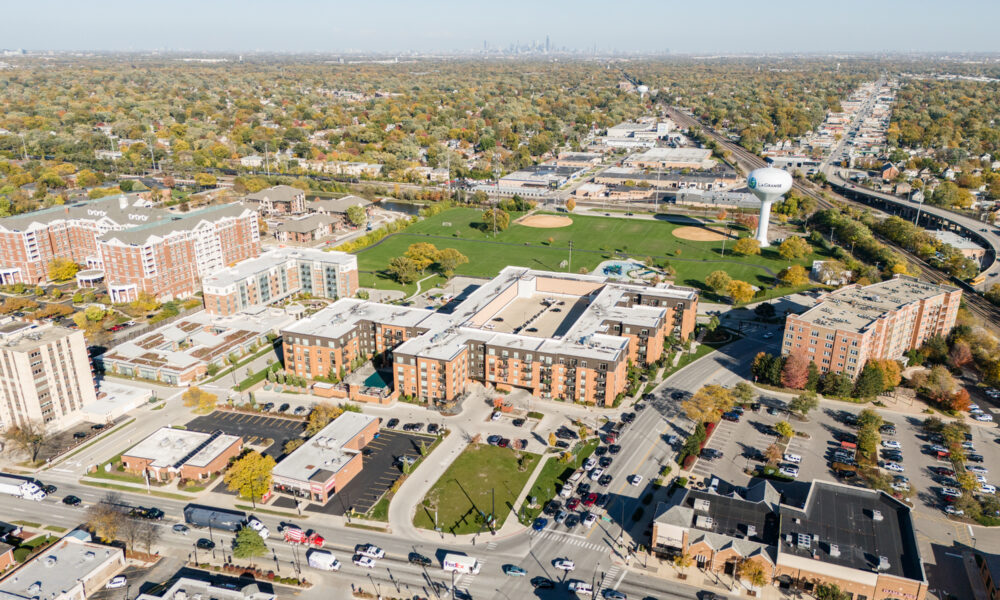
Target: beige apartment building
851 325
45 375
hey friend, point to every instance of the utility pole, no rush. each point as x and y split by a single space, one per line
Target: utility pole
570 263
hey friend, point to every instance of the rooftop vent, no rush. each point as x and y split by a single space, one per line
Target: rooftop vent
876 515
89 555
50 561
751 530
883 563
35 587
834 550
804 540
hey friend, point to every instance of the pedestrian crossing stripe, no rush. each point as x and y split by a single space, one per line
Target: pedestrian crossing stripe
571 540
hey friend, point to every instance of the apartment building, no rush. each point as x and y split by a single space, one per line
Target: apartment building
278 274
851 325
306 229
858 539
137 247
279 200
557 335
45 375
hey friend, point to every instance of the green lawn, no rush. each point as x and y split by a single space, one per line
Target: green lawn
482 479
594 239
554 474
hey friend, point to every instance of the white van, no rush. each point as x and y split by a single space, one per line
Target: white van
323 560
582 588
461 563
793 458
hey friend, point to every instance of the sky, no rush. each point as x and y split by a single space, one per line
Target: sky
391 26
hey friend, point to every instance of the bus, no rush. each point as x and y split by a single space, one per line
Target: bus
981 278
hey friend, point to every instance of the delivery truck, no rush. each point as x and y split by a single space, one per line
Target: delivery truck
323 560
22 488
461 563
216 518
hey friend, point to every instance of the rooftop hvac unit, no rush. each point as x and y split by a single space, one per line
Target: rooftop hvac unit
883 563
834 550
702 504
703 522
876 515
751 530
804 540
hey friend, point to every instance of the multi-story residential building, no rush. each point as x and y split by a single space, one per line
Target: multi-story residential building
278 274
304 230
558 335
279 200
137 247
45 375
857 539
851 325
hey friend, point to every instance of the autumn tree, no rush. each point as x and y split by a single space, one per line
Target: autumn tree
106 516
403 270
450 259
794 248
29 438
794 275
356 215
773 453
708 403
795 372
144 303
320 417
62 269
250 475
719 281
747 220
422 254
747 246
571 204
740 291
960 355
752 572
803 403
292 445
496 219
196 397
784 429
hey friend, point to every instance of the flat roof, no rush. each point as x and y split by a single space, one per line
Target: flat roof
19 336
844 516
673 154
186 588
324 451
956 241
854 308
271 259
57 569
168 447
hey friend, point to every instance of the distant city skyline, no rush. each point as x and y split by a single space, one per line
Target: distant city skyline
394 26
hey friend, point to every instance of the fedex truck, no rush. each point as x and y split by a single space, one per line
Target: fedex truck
22 488
460 563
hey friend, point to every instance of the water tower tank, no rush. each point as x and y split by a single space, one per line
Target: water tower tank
768 184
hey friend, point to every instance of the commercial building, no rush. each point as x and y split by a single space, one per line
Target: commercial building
190 455
541 176
642 134
279 200
583 160
73 568
967 247
138 248
45 375
672 158
181 352
859 539
557 335
279 274
717 178
195 589
327 462
851 325
988 566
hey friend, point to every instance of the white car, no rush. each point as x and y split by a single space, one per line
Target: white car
987 489
567 490
119 581
596 474
951 492
590 463
977 469
892 444
968 446
496 416
900 486
985 418
564 564
792 472
581 588
974 408
636 480
259 527
980 478
894 467
768 335
371 551
792 458
364 561
589 520
951 510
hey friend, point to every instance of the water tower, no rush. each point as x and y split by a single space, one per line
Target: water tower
768 184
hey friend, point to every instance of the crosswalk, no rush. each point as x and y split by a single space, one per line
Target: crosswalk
491 545
570 539
609 579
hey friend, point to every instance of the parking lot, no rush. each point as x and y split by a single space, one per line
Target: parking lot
252 428
379 470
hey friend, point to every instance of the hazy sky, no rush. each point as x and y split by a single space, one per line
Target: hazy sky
690 26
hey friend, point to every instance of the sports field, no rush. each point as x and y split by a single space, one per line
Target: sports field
594 239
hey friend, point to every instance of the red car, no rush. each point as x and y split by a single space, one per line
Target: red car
573 503
590 499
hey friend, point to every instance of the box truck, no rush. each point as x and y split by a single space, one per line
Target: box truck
217 518
323 560
460 563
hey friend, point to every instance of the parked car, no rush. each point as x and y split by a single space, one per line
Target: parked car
392 423
789 471
891 444
284 407
366 562
118 581
539 523
792 458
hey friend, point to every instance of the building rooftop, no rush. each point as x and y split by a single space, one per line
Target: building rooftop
854 528
196 589
18 336
691 155
305 224
278 193
56 570
324 453
176 222
854 308
111 212
271 259
172 448
953 239
336 205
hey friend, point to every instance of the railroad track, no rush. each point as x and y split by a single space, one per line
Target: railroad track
979 306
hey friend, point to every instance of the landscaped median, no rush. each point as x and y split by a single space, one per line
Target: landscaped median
483 480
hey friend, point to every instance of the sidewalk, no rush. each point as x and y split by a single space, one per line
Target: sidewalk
512 525
724 585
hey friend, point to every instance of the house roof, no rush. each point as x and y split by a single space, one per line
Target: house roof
278 193
305 224
336 205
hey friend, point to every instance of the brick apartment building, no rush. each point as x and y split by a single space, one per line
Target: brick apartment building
138 248
45 375
851 325
279 200
190 455
557 335
278 274
327 462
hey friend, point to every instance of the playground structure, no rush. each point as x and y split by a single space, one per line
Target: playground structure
627 270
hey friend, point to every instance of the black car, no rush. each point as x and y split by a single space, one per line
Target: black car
562 444
267 406
710 454
432 428
887 430
542 583
284 407
614 448
572 520
678 395
583 489
894 455
602 500
628 417
605 461
604 480
600 450
49 489
392 423
419 559
71 501
205 544
552 507
79 435
640 407
976 458
518 422
97 426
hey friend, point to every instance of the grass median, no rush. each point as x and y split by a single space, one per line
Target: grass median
554 474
